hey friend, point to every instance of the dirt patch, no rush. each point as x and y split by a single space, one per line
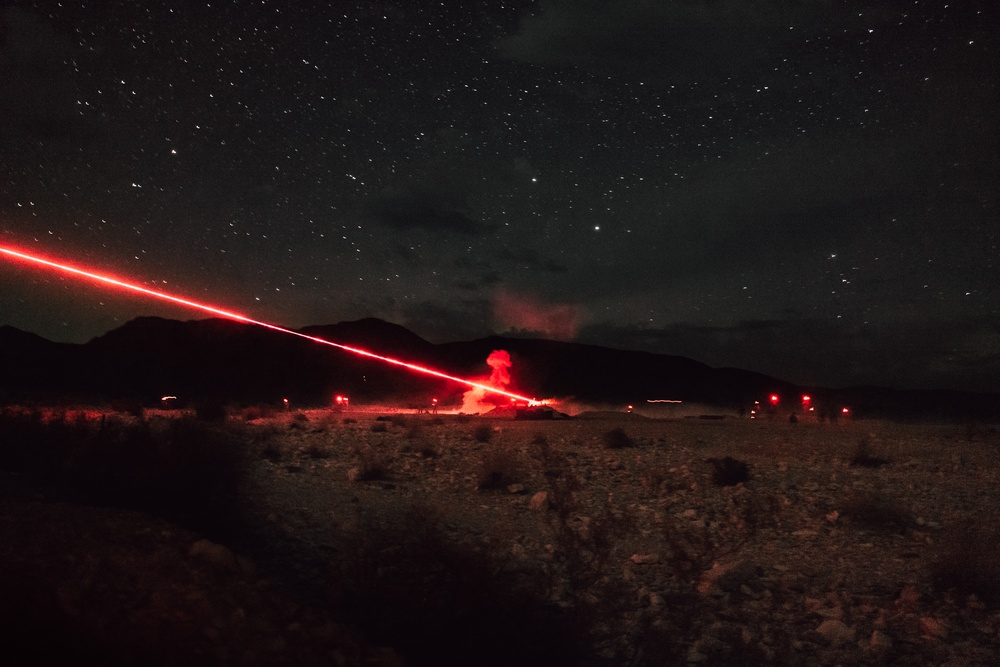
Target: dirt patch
580 553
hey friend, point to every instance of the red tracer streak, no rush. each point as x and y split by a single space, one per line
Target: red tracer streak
108 280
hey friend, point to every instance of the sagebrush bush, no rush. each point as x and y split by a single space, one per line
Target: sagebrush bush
728 471
442 602
968 560
318 451
617 438
210 410
374 464
182 469
863 456
876 510
254 412
482 433
499 469
419 441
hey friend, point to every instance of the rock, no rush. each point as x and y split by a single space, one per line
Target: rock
515 488
908 597
880 643
539 502
219 556
644 559
694 656
836 632
726 578
931 628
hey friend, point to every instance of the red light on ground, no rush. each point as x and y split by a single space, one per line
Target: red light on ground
806 398
846 411
774 399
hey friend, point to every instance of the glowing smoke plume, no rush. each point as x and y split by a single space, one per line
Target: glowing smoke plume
479 398
110 281
499 361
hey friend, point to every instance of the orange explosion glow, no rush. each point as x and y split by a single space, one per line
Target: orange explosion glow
121 284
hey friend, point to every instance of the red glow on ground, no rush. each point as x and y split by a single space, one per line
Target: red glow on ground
121 284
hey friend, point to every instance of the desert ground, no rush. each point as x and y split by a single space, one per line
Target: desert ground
316 537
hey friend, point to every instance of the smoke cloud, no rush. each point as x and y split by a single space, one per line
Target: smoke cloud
477 400
527 315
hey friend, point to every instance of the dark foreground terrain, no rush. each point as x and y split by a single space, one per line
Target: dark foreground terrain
321 538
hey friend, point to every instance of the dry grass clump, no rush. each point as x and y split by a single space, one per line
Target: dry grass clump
863 456
299 419
442 602
873 509
500 468
482 433
185 469
617 438
255 412
316 450
728 471
273 451
418 440
968 560
374 464
211 410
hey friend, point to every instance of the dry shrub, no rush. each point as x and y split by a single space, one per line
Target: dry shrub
255 412
273 451
499 469
728 471
482 433
211 410
863 456
317 450
617 438
374 464
442 602
379 427
419 441
876 510
968 560
184 470
130 406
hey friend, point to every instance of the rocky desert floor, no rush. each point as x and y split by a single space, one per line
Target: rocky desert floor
606 539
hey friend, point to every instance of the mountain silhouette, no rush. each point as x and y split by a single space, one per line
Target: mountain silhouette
241 363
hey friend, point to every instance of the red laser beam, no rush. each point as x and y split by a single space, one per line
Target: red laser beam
115 282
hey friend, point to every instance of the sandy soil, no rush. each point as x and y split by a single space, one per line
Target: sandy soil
850 543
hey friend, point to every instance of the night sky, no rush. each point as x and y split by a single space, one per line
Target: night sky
805 188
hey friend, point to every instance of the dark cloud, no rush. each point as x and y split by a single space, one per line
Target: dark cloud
449 320
423 210
679 40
